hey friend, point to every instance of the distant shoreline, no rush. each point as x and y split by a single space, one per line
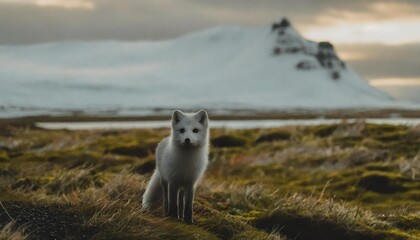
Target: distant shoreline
223 124
244 115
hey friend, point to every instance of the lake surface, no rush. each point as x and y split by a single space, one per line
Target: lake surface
231 124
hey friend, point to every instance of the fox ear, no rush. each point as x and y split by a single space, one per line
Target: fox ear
202 116
176 116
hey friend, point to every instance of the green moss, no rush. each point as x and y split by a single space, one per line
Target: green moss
381 167
274 136
346 142
230 227
321 130
392 137
380 129
75 180
4 156
410 221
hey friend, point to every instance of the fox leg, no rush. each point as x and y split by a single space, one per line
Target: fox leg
172 200
164 184
181 204
189 192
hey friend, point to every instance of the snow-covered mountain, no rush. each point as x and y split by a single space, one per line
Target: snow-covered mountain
228 67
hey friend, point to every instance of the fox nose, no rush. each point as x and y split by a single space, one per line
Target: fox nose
187 140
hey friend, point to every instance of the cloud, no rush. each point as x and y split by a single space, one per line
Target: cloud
320 12
122 20
33 22
82 4
387 82
363 11
378 61
386 32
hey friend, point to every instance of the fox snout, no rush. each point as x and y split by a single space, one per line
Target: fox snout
188 142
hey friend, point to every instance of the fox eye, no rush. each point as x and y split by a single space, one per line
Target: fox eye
195 130
182 130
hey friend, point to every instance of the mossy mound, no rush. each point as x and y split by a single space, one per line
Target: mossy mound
308 228
132 151
274 136
144 168
228 141
381 183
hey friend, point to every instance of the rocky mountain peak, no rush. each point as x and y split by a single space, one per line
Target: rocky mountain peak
283 23
289 41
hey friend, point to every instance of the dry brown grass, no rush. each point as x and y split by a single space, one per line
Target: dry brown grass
9 232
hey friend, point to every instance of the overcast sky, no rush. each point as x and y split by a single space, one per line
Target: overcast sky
379 38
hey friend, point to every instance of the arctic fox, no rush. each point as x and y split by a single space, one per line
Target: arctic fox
181 160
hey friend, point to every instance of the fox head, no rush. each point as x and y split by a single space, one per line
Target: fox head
190 129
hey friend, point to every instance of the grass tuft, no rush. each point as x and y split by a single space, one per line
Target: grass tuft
10 232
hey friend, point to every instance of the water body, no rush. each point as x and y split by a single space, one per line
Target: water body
230 124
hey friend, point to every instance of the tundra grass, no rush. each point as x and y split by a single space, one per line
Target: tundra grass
344 181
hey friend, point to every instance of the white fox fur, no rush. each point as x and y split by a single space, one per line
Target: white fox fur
181 160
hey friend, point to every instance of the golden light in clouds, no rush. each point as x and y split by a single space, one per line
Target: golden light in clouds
395 82
351 56
83 4
392 32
